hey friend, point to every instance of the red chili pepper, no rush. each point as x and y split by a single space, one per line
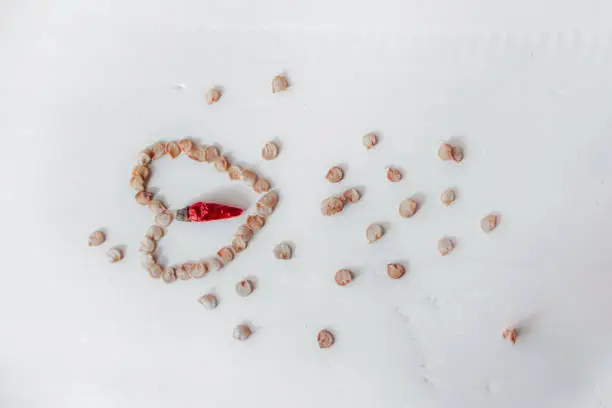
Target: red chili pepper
203 212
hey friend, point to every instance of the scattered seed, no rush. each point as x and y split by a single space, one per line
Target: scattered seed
269 151
96 238
396 271
457 154
186 145
158 149
137 183
234 172
350 196
488 223
325 339
212 96
344 277
279 84
267 203
155 271
147 245
445 245
249 177
261 186
407 208
256 222
173 149
143 197
511 334
226 254
242 332
169 275
221 164
393 174
374 232
211 153
447 196
239 244
146 260
445 152
198 270
331 206
142 171
154 232
183 272
244 288
282 251
157 207
209 301
114 255
144 157
164 219
334 175
370 140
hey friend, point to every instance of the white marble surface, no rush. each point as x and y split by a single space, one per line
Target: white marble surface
525 87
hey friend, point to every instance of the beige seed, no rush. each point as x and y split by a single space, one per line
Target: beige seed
183 272
158 149
147 245
198 270
155 232
144 157
211 153
457 154
143 197
396 271
96 238
374 232
261 186
325 339
221 164
226 254
239 244
408 208
212 96
186 145
142 171
282 251
393 175
256 222
218 264
244 288
488 223
155 271
370 140
279 84
146 260
334 175
445 152
137 183
244 232
343 277
249 177
242 332
173 149
197 154
269 151
447 196
164 219
510 334
445 245
267 203
234 172
114 255
157 207
351 196
169 275
331 206
209 301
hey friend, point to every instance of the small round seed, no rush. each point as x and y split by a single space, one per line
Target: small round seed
445 245
325 339
256 222
155 232
144 157
445 152
96 238
393 175
155 271
218 264
334 175
374 232
137 183
249 177
510 334
212 96
198 270
146 260
143 197
267 203
244 288
370 140
142 171
407 208
169 275
221 164
282 251
234 172
457 154
279 84
244 232
239 244
158 149
269 151
331 206
261 186
396 271
350 196
186 145
226 254
164 219
447 196
343 277
173 149
157 207
147 245
197 154
211 153
183 272
488 223
209 301
114 255
242 332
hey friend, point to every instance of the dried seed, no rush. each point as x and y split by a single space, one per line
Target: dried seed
457 154
157 207
173 149
244 288
211 153
144 157
343 277
226 254
209 301
114 255
350 196
488 223
186 145
325 339
261 186
142 171
221 164
256 222
242 332
445 245
374 232
183 272
147 245
249 177
197 153
137 183
146 260
218 264
279 84
282 251
244 232
96 238
447 196
143 197
169 275
334 175
239 244
396 271
269 151
370 140
445 152
155 232
393 174
331 206
155 271
407 208
267 203
164 219
234 172
158 149
511 334
198 270
212 96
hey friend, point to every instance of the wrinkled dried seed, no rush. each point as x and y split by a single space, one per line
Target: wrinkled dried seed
244 232
158 149
267 203
155 271
407 208
186 145
146 260
282 251
242 332
334 175
488 223
279 84
221 164
137 183
445 152
147 245
173 149
226 254
350 196
155 232
211 153
209 301
374 232
198 270
157 207
239 244
197 153
144 157
447 196
183 272
510 334
164 219
142 171
244 288
256 222
343 277
393 175
212 96
331 206
457 154
143 197
445 245
396 271
261 186
234 172
370 140
325 339
269 151
114 255
218 264
249 177
169 275
96 238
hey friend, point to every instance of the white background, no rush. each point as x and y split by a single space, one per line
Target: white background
524 86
